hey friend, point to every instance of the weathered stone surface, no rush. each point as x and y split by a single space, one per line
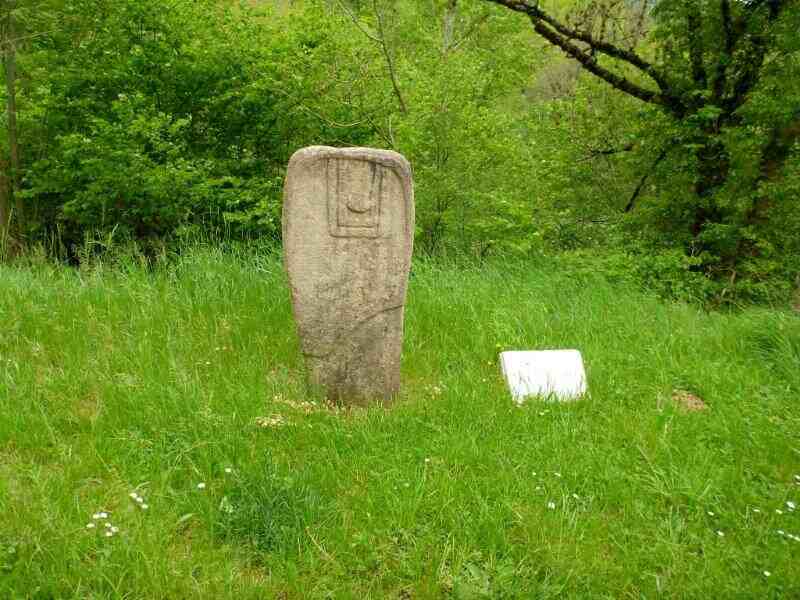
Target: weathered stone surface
555 373
348 226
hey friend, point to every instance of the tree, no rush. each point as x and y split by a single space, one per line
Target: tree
701 70
10 182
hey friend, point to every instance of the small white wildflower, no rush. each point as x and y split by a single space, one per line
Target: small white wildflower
90 526
108 525
534 473
96 516
228 470
767 573
791 505
133 495
115 530
145 507
756 510
778 511
109 534
710 513
720 533
201 486
139 500
271 421
781 532
551 505
103 515
797 478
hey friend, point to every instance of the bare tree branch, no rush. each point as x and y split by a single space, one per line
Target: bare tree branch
448 25
559 35
379 39
590 63
357 22
629 56
595 152
632 202
471 29
389 60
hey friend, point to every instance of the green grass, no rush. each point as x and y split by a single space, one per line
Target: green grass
121 379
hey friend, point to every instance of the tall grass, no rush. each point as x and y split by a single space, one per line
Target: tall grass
129 377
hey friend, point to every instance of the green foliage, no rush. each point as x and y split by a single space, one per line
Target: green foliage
154 125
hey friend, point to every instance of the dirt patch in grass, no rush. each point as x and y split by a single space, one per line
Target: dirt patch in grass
688 402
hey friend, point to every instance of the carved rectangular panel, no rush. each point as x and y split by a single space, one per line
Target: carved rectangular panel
355 191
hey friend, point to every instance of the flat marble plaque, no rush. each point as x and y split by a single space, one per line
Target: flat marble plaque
558 374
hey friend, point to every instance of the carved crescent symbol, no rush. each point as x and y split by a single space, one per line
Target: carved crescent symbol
357 203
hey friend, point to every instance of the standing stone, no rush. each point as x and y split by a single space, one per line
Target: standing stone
348 230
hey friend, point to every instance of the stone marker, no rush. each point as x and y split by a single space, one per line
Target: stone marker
557 373
348 231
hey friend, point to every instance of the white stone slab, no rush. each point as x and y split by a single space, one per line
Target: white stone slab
556 373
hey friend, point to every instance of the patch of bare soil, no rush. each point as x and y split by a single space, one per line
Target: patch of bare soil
688 401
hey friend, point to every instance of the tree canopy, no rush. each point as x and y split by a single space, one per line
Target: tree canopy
662 134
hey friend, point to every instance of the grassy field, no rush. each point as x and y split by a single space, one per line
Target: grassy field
183 386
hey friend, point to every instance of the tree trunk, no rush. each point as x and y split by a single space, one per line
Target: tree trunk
713 166
449 25
10 64
5 208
